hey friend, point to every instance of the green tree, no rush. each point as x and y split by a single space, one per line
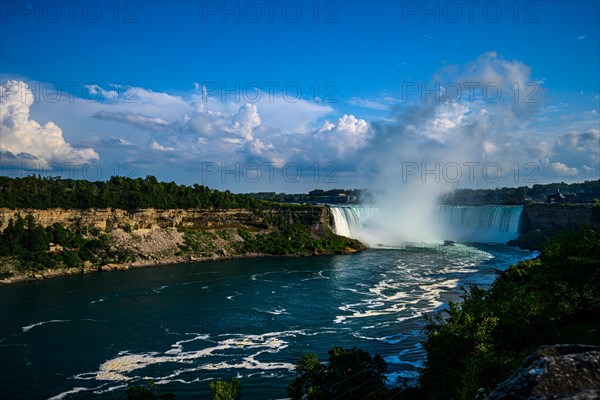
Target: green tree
552 299
225 390
148 392
350 374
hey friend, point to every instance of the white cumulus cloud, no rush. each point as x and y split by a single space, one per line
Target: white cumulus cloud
564 169
22 135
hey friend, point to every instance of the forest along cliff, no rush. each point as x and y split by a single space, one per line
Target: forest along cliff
38 244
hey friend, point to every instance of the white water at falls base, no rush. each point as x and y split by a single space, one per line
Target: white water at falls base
483 224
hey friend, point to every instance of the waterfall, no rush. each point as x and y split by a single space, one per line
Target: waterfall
488 224
496 224
350 221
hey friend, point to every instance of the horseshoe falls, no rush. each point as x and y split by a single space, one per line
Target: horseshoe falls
488 224
481 224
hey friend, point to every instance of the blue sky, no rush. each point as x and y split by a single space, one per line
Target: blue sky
334 85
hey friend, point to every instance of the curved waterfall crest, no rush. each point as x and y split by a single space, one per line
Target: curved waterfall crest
490 224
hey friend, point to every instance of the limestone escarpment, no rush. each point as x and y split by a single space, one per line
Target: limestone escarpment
118 239
131 220
555 372
557 216
542 221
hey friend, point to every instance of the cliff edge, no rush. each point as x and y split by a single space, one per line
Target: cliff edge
113 239
564 371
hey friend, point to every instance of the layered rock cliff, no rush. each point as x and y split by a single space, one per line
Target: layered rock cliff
554 372
150 236
557 216
110 219
542 221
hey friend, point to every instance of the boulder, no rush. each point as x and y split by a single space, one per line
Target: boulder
565 371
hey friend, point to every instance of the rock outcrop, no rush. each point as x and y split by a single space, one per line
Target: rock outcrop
542 221
108 219
557 216
554 372
145 237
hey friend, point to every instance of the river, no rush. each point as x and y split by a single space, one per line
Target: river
89 337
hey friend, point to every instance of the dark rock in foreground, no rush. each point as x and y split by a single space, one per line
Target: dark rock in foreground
555 372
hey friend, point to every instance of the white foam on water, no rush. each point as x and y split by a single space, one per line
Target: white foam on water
54 321
233 295
319 276
256 276
119 368
160 289
276 311
62 395
72 391
110 389
183 381
379 303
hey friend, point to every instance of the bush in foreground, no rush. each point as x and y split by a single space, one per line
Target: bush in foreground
552 299
350 374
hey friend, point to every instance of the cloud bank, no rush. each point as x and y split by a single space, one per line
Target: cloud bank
500 116
27 139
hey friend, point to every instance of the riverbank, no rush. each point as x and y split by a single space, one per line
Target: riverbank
57 273
42 244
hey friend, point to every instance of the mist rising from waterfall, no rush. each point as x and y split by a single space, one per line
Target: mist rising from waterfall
409 154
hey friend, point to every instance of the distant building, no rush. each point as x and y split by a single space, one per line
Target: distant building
558 197
340 198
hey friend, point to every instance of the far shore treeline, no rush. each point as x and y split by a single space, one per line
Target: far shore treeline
118 192
128 193
585 192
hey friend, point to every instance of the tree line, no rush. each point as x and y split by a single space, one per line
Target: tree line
585 192
118 192
29 243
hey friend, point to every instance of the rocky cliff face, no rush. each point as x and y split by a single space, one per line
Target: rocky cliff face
556 216
149 237
542 221
555 372
110 219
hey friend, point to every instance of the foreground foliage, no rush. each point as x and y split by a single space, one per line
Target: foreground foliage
350 374
549 300
225 390
148 392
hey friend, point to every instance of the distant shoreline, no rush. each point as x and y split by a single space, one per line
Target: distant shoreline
43 275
